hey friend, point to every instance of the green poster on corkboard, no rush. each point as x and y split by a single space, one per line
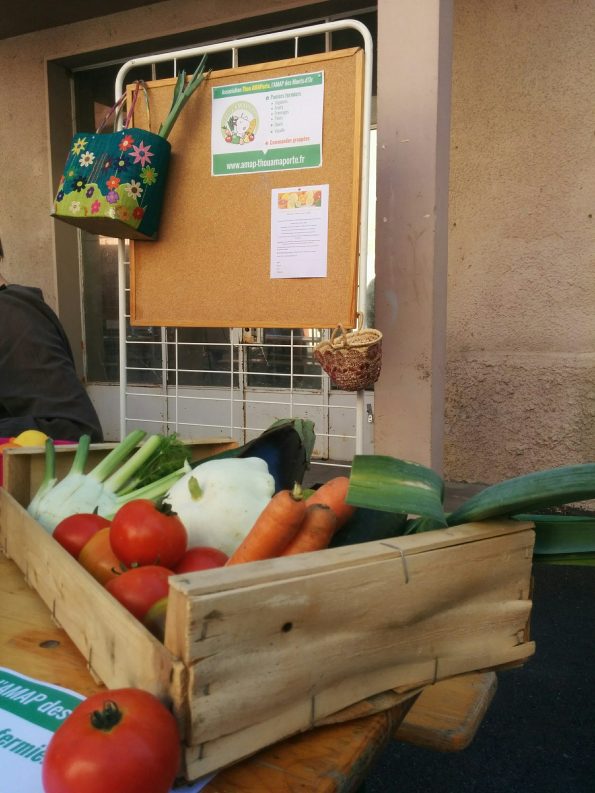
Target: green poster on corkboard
261 213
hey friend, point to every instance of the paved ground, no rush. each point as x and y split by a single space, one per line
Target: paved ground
539 733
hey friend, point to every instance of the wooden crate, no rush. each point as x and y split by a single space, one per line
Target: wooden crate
254 653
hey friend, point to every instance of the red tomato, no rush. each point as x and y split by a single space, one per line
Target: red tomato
142 534
122 741
137 589
200 558
75 531
98 558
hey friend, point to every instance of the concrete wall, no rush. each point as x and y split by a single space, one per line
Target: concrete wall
521 280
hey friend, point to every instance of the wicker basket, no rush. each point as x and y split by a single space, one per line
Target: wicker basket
351 360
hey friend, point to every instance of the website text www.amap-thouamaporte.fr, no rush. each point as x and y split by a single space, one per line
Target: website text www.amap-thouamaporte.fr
295 159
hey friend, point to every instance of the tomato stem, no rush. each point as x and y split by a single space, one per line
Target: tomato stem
166 509
107 718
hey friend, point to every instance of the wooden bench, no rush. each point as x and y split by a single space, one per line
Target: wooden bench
446 716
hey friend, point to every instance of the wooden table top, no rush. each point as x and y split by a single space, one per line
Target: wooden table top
330 759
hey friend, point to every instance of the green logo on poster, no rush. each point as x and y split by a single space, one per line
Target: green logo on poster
239 124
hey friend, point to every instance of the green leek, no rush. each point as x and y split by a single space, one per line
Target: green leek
385 483
538 490
182 93
574 559
393 485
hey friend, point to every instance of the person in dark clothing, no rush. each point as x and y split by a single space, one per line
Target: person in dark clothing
39 387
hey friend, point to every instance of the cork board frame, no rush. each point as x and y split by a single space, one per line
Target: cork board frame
211 264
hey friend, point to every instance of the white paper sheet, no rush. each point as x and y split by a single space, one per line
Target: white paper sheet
30 712
299 231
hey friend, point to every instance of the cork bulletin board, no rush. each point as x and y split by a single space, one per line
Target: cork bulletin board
211 264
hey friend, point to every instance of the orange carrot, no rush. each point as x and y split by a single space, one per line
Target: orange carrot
274 528
316 531
333 494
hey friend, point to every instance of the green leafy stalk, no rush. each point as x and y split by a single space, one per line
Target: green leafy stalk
575 559
534 491
562 534
419 525
49 474
117 455
81 455
154 491
182 93
179 86
49 477
146 452
393 485
172 455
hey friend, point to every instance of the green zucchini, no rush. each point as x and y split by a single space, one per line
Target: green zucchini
366 525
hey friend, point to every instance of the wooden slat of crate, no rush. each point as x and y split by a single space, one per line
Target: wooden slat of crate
272 648
31 642
273 570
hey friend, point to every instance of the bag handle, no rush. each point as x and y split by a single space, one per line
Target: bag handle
138 85
344 340
117 107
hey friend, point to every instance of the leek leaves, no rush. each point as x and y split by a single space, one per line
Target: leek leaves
398 486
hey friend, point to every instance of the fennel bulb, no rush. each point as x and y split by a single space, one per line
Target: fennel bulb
107 486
